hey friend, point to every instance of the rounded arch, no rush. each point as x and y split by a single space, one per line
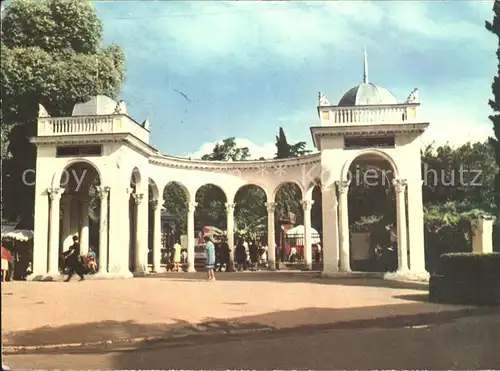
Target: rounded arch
311 187
252 184
280 185
344 176
136 177
153 190
176 183
212 185
56 178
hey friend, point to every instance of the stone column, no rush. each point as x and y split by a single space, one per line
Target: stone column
156 235
53 258
345 264
330 231
400 187
482 238
66 222
307 206
139 265
190 236
416 232
103 193
271 238
230 234
84 225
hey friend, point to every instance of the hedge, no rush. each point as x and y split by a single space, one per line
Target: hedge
466 278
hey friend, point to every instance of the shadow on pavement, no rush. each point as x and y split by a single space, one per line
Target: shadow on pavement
293 277
301 321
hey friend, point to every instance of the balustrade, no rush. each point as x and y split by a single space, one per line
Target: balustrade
369 115
49 126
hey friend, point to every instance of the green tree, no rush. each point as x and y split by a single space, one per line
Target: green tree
51 55
287 150
211 200
227 151
289 196
494 27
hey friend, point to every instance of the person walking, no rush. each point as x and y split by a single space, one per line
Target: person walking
241 255
210 251
73 260
254 255
6 258
177 256
224 255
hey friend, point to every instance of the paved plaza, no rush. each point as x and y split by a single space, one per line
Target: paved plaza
177 308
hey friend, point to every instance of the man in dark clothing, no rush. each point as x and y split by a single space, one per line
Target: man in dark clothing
224 255
73 260
254 256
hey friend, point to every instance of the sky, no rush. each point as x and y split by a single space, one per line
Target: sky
246 68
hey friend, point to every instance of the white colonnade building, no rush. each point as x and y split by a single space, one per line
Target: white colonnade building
101 148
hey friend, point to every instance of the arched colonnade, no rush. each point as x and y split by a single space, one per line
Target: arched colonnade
129 186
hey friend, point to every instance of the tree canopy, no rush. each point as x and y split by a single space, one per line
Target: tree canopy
52 54
494 27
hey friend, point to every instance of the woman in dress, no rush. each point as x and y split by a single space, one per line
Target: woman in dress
210 251
177 256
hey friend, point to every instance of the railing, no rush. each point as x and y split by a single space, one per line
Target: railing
368 115
63 126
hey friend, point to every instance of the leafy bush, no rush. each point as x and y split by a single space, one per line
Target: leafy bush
448 229
470 266
467 278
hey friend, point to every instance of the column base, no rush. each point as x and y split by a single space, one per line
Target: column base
158 270
45 277
109 276
407 275
191 270
307 267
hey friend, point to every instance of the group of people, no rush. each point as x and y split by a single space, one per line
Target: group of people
16 261
249 255
75 263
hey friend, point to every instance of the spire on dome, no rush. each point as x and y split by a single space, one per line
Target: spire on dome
365 73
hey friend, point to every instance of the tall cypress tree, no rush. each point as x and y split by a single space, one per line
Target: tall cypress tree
282 146
494 27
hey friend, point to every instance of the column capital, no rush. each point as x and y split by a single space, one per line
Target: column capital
400 185
343 185
271 207
192 206
155 203
307 204
55 193
230 207
102 191
138 197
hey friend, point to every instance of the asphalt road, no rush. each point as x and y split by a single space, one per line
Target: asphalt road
465 343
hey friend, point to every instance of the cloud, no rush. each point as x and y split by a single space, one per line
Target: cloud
450 130
199 35
267 150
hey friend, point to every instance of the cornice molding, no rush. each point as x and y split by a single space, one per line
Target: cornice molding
182 163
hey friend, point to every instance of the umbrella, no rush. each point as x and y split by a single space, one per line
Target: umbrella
299 231
22 235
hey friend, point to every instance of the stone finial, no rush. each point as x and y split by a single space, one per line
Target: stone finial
42 112
146 125
413 97
120 108
323 100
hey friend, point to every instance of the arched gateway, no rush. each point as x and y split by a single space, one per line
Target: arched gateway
101 149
